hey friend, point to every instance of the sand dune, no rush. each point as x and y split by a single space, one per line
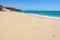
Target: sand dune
16 26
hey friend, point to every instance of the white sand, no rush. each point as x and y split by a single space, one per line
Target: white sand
15 26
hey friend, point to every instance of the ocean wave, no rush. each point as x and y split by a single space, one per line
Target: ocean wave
44 16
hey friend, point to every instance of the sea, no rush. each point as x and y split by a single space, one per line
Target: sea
45 14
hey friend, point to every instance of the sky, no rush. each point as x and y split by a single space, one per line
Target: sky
32 4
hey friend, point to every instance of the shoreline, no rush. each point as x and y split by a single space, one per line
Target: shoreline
43 16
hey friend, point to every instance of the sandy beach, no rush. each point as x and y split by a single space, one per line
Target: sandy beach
17 26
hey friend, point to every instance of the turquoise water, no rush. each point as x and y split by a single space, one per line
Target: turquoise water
49 13
55 14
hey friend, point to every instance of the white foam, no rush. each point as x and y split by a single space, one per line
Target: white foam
44 16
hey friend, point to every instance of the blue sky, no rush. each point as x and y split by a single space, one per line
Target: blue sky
32 4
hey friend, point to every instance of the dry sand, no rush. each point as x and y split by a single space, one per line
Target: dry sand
16 26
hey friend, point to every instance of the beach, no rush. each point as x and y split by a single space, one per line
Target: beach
18 26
